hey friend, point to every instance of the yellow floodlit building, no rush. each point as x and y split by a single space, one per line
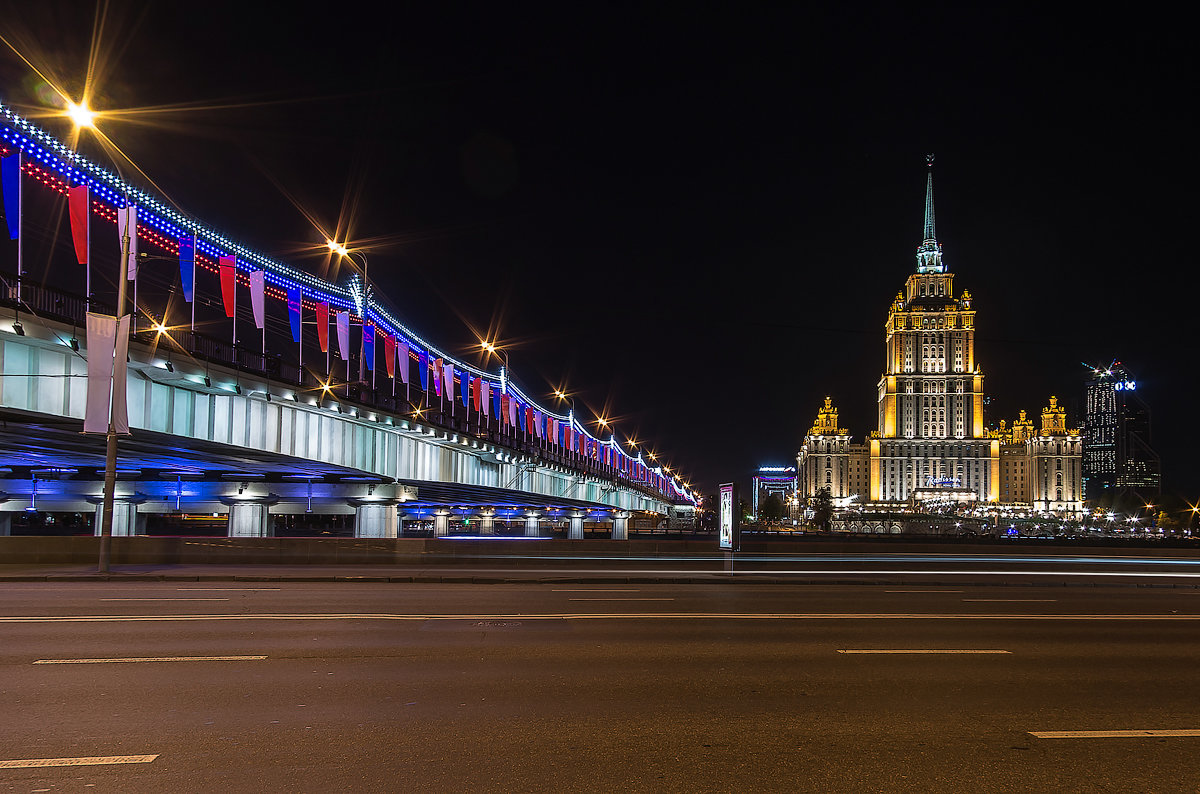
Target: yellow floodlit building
931 447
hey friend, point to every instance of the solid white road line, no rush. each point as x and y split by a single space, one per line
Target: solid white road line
154 659
84 761
1012 600
620 599
593 616
924 650
924 591
1112 734
593 590
226 589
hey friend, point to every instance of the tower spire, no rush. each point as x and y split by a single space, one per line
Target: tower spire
929 255
930 231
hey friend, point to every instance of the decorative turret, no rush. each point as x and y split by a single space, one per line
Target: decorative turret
929 255
1022 429
827 421
1054 419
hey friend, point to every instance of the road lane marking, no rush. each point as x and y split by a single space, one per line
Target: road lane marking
226 589
592 616
154 659
924 591
620 599
924 650
164 599
594 590
1112 734
98 760
1012 600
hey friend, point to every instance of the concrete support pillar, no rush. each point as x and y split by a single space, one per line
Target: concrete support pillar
377 519
441 523
533 528
487 521
250 519
126 520
5 524
575 527
620 525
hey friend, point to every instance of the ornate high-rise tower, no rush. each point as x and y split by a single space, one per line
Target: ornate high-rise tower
931 443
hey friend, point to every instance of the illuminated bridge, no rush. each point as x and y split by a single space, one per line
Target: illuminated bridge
261 400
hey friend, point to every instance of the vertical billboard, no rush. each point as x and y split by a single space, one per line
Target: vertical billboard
728 525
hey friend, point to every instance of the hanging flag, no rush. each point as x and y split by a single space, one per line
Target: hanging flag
402 355
506 409
187 266
127 225
10 176
498 409
323 326
368 340
107 350
437 376
257 298
477 394
343 334
228 285
423 368
77 206
389 354
465 390
448 377
294 303
485 396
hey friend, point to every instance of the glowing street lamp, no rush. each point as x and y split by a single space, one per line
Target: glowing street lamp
81 115
346 253
498 351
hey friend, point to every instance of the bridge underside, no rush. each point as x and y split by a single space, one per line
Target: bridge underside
69 464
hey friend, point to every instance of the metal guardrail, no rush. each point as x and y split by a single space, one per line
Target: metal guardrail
69 308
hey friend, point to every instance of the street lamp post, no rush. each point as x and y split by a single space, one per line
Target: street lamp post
110 449
82 117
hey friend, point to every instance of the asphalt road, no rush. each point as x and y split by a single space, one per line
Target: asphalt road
594 687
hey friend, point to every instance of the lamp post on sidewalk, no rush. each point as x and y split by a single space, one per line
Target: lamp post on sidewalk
84 118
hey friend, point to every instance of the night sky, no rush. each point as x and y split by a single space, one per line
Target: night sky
694 220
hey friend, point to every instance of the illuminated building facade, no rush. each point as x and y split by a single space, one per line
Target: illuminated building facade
774 480
931 449
931 442
828 459
1118 460
1042 469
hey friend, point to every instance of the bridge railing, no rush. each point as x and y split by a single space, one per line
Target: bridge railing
181 344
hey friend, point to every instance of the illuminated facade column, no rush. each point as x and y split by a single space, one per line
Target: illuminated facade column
441 523
375 518
126 520
487 521
533 527
575 526
620 524
248 518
